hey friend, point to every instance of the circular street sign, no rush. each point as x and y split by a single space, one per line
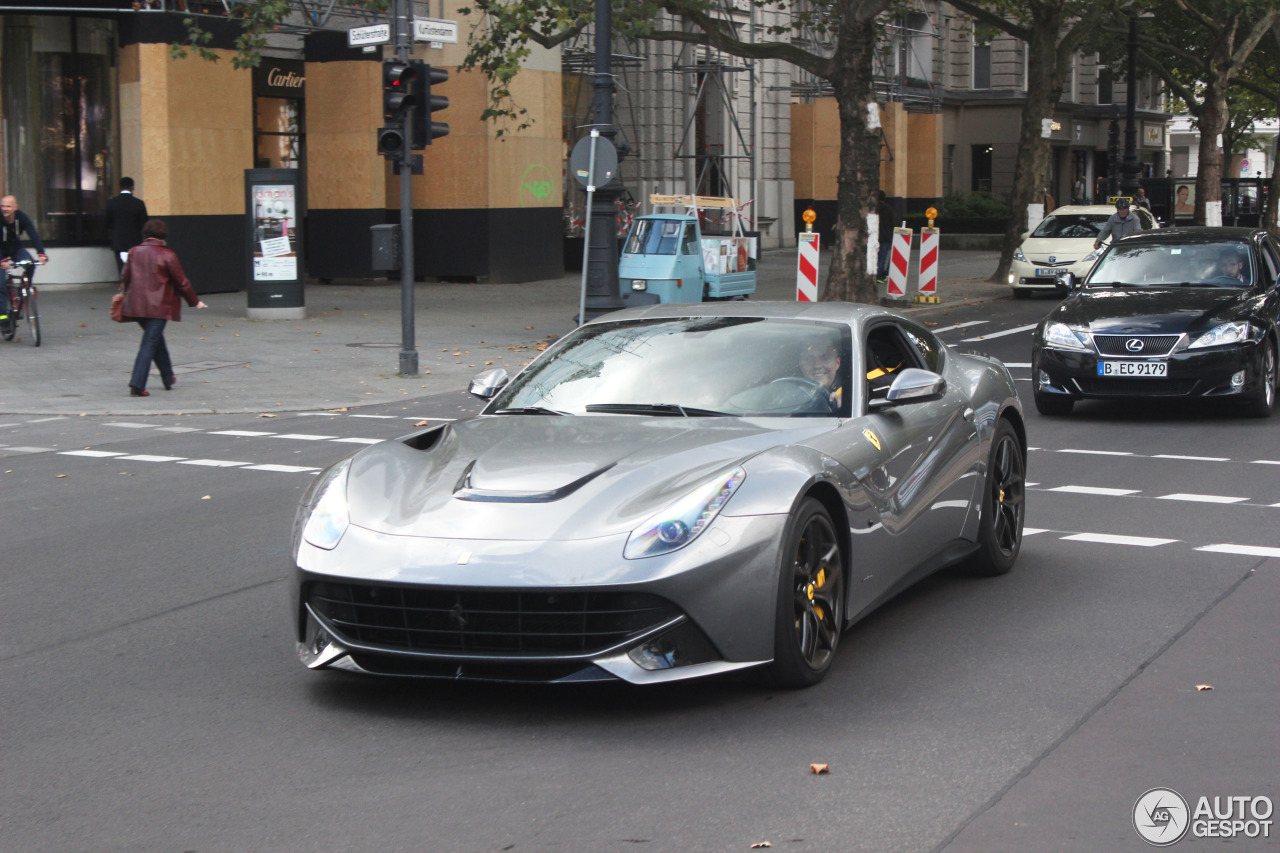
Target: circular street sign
606 161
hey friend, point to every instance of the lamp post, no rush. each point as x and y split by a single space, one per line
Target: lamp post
602 294
1130 167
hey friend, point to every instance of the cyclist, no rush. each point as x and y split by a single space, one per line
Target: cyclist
13 225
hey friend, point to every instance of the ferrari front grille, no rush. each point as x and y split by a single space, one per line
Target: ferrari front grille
500 622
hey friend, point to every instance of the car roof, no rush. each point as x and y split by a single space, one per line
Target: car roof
1195 235
850 313
1084 208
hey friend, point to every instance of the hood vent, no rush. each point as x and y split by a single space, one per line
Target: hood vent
463 491
427 439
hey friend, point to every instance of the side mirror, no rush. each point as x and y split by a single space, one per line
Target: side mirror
486 385
912 385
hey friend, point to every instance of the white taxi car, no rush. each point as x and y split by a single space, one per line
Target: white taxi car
1063 242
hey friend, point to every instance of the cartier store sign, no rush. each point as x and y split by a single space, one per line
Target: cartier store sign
280 78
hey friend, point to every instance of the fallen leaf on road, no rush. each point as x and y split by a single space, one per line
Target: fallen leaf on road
819 769
423 423
206 497
1204 687
59 476
528 327
266 415
488 362
341 410
760 845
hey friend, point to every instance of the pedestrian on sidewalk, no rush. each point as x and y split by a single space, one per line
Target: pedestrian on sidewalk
152 279
886 212
126 214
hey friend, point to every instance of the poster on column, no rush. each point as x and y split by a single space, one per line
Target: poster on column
275 217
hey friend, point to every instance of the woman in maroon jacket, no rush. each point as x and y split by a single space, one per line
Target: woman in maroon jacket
153 279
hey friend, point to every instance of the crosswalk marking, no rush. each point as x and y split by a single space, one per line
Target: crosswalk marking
1117 539
358 440
283 469
1098 452
142 457
212 463
1247 550
93 453
1191 458
1208 499
241 432
991 335
1094 490
297 436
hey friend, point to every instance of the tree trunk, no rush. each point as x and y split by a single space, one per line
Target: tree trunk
1212 119
1271 214
852 278
1044 87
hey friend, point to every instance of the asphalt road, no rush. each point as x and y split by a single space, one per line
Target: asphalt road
151 700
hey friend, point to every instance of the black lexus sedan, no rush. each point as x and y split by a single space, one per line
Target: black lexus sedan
1174 313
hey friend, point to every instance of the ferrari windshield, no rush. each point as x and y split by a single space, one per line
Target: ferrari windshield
691 367
1219 264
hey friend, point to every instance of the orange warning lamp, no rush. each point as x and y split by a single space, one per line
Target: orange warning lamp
931 214
808 216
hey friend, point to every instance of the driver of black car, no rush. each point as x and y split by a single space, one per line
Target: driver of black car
1231 264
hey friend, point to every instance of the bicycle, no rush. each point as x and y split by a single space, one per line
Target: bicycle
20 294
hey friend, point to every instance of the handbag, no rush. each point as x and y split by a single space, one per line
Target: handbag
117 307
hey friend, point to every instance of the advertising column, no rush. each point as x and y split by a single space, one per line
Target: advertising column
273 223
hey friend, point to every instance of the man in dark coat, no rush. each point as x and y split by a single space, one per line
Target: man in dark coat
126 214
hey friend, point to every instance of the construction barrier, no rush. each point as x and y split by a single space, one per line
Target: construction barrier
927 291
807 269
901 252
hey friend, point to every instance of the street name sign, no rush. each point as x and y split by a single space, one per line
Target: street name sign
435 30
373 34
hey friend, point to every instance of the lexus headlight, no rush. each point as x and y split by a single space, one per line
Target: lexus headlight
323 513
1227 333
1062 336
681 522
1018 256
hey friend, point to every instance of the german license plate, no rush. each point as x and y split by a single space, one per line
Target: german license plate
1051 273
1133 368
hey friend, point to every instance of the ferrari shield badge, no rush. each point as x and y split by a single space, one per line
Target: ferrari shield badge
872 437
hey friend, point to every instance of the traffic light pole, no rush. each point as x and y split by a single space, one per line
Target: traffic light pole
408 345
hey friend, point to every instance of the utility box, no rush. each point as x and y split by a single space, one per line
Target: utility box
386 247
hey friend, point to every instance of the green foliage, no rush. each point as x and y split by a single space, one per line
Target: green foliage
974 206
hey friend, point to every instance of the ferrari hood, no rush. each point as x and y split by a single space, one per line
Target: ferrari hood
516 477
1166 311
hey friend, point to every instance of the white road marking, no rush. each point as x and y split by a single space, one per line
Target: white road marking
297 436
382 417
1032 531
244 432
1208 499
1098 452
319 414
358 440
178 429
1250 550
283 469
213 463
1001 334
958 326
94 453
1266 462
428 418
30 449
130 425
1191 458
46 420
1094 490
142 457
1116 539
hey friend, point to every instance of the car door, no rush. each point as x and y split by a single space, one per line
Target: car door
925 483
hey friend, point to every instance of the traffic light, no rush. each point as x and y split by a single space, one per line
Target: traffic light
424 129
397 100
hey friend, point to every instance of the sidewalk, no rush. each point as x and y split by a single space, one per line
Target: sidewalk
345 353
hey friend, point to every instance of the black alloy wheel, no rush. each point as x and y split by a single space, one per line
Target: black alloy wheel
1263 401
810 613
1003 505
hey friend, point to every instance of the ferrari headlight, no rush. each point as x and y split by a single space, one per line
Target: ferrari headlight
1062 336
1018 256
681 522
1227 333
325 508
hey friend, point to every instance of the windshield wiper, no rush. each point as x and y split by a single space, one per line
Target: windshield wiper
1094 284
672 409
528 410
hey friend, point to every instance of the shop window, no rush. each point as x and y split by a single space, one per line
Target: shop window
58 76
278 137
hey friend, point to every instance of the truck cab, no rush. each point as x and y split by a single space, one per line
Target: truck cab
668 258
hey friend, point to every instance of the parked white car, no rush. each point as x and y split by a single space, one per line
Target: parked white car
1063 242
